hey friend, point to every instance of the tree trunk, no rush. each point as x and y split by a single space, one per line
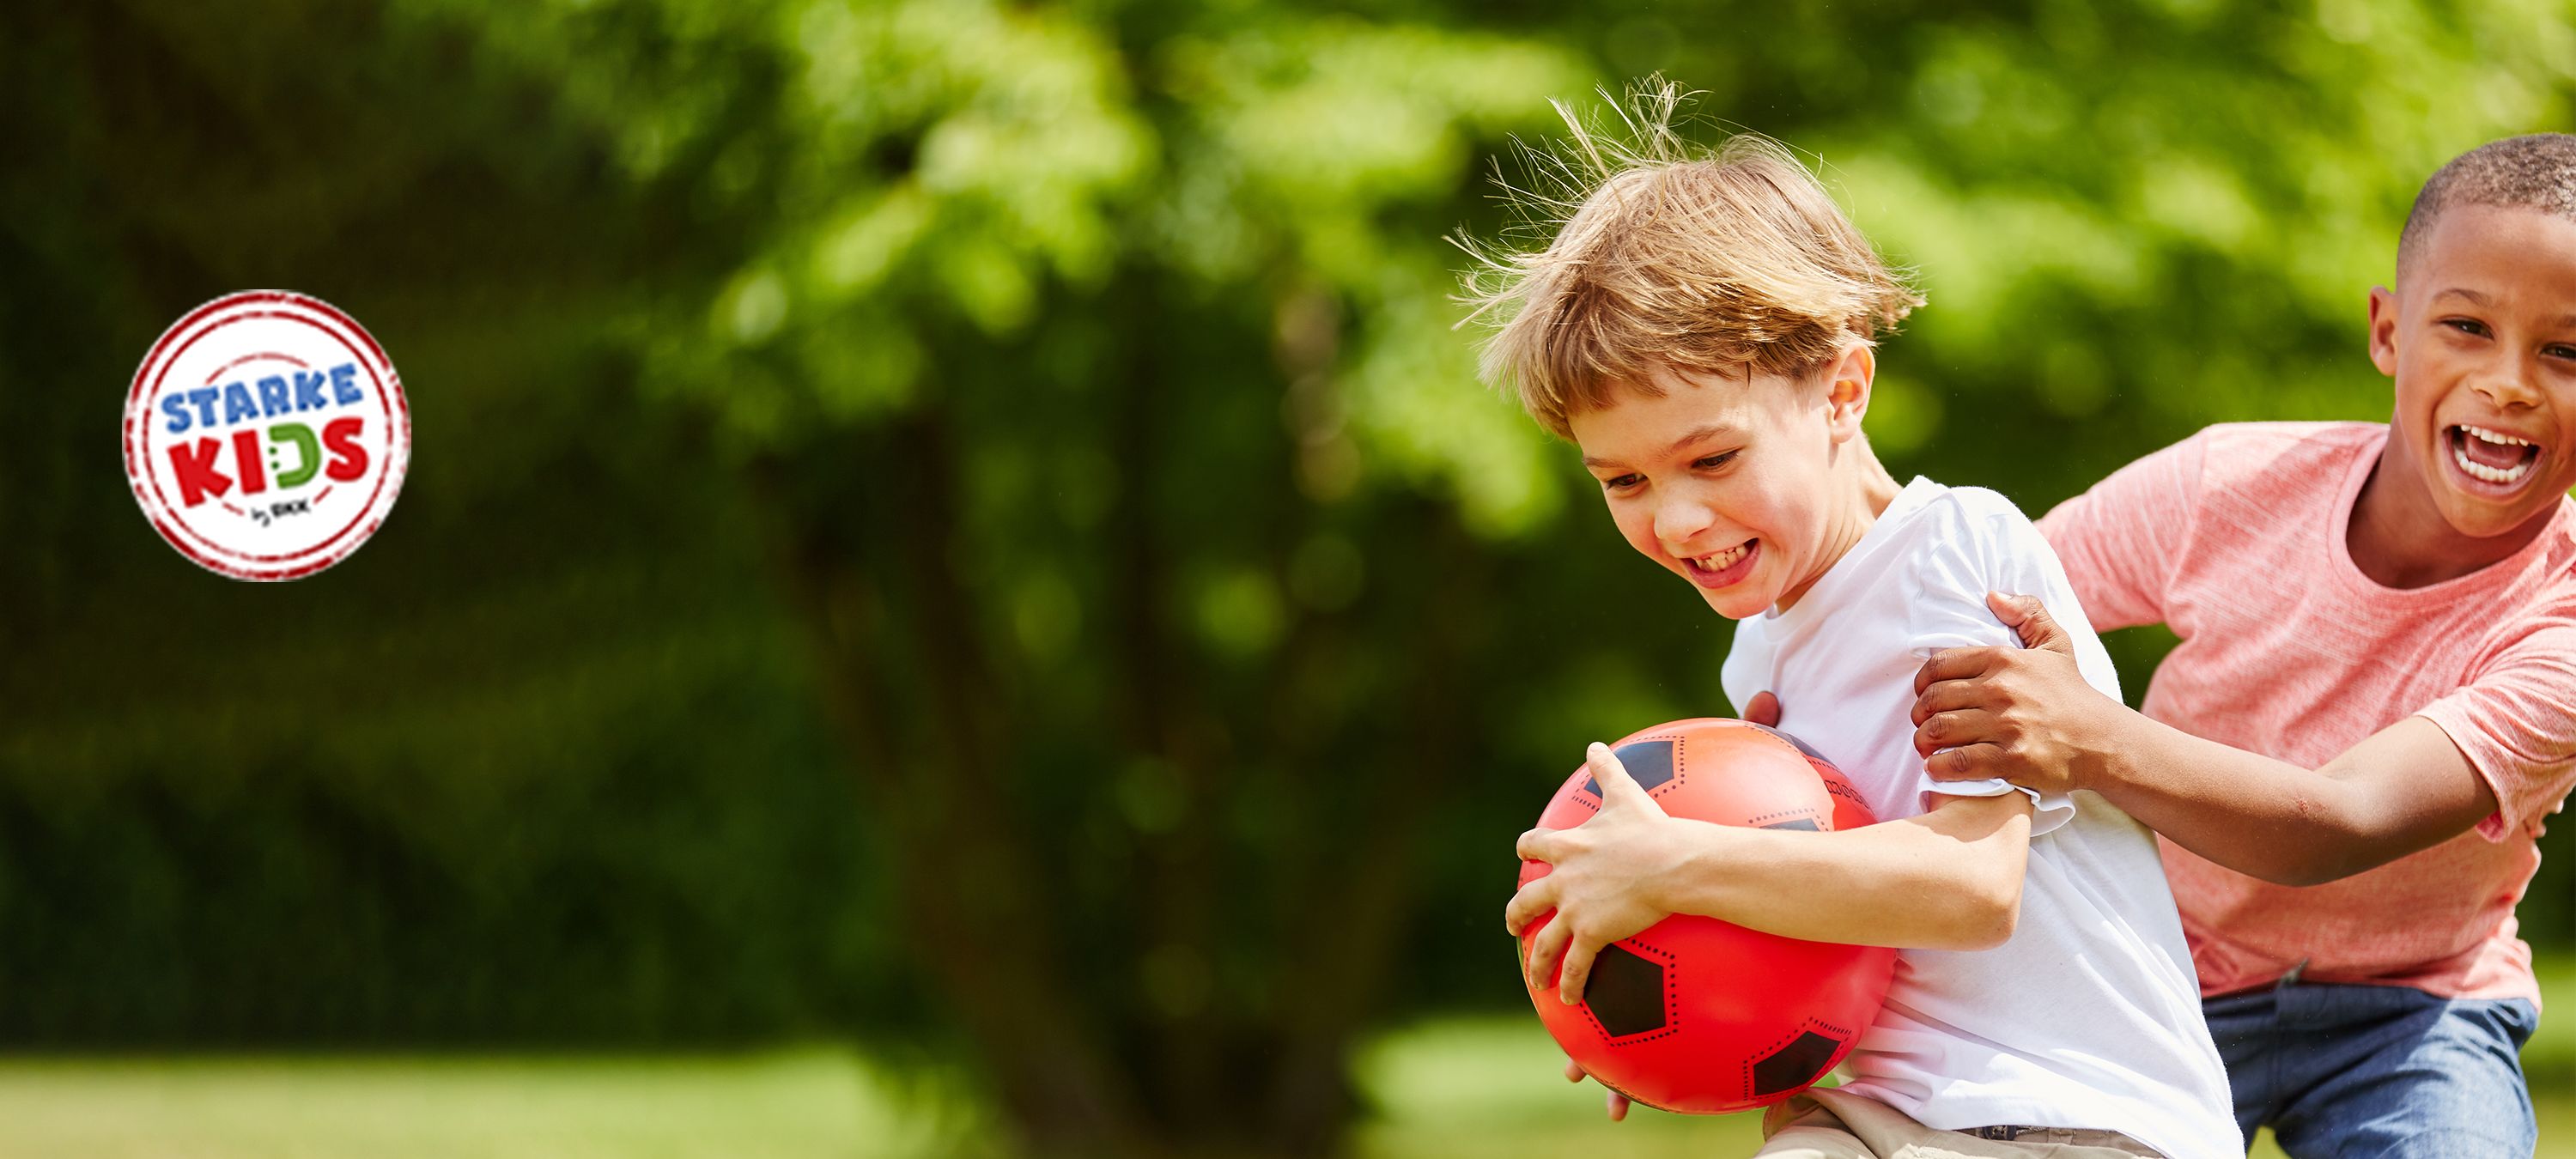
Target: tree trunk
910 695
1082 1058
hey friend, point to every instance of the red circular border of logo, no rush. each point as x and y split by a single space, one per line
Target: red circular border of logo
161 500
339 545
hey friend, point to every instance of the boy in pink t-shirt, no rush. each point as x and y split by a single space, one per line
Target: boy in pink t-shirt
2372 710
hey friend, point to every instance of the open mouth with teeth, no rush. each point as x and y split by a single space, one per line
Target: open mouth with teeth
2492 456
1723 568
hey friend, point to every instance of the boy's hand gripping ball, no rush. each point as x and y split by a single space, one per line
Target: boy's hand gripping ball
1695 1014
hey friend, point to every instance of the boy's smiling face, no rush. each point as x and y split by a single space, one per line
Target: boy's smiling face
1734 484
2481 337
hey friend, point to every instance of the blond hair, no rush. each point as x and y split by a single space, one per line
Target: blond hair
1664 258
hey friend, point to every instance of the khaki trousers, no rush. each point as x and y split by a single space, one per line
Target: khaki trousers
1828 1124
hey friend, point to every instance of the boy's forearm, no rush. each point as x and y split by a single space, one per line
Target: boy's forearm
2254 814
1900 884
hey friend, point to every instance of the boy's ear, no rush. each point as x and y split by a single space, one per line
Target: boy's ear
1847 383
2383 330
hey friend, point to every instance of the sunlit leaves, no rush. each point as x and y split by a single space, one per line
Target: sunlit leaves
1311 139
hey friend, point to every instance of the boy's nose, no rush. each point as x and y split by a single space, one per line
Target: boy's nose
1679 522
2506 389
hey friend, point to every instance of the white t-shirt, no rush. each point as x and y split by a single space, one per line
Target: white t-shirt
2089 1017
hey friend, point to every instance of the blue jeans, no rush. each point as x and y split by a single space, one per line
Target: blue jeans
2361 1072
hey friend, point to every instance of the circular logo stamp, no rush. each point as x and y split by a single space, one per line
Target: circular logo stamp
266 435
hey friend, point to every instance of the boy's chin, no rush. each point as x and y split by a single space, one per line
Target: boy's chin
1740 602
2479 518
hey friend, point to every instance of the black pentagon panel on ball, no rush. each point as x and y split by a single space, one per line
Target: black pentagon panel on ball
1649 763
1804 824
1795 1065
1803 747
1625 992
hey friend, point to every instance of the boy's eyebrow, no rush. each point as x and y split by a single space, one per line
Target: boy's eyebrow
1712 430
2477 299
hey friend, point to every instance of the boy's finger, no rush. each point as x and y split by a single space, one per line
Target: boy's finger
2029 619
1529 904
1610 774
1947 696
1574 1072
1537 845
1954 664
1974 762
1578 970
1618 1106
1544 952
1952 729
1764 710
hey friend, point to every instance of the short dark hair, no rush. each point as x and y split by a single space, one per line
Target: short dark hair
2533 172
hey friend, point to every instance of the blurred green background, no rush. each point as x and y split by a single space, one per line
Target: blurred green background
956 590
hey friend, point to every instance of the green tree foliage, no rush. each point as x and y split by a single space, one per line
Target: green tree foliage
1049 421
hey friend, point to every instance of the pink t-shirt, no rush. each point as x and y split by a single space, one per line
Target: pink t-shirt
2234 538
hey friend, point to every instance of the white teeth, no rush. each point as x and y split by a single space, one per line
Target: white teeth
2490 474
1724 559
2499 439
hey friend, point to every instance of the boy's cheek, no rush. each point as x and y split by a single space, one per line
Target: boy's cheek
2560 482
1638 530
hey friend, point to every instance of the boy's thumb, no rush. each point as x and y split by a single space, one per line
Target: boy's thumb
1764 711
2029 619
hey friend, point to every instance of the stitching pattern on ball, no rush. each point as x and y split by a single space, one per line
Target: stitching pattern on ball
1798 814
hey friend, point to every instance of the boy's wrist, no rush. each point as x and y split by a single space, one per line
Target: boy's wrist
1698 863
2104 762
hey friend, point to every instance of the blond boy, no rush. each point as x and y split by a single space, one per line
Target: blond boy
1702 327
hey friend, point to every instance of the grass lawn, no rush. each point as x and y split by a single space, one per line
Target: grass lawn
1478 1086
796 1104
1490 1088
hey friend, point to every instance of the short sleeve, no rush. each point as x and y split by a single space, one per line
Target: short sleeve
2121 539
2516 722
1948 609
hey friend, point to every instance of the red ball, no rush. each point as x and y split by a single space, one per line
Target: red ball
1699 1015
